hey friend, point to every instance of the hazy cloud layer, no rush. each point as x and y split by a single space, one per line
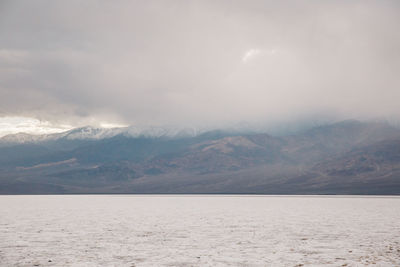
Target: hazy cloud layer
198 62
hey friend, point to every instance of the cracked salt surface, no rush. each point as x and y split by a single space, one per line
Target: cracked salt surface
201 230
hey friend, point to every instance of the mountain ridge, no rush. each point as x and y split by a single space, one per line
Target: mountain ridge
345 157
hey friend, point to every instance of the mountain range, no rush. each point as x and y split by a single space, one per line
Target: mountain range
348 157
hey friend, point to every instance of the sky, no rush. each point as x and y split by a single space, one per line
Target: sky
71 63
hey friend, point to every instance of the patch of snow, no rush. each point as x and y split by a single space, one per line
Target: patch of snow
91 133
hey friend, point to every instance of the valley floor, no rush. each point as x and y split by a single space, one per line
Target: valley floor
199 230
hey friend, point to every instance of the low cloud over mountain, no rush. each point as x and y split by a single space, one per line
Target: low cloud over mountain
192 63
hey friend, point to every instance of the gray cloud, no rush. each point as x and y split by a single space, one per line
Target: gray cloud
198 62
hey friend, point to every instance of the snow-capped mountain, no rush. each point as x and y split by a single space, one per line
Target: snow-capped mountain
157 132
93 133
84 133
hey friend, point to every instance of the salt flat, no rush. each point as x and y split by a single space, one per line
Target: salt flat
200 230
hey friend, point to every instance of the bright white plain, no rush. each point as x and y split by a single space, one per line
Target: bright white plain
123 230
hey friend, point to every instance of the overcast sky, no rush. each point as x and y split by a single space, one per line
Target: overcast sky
198 62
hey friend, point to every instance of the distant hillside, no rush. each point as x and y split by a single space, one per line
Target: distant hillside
349 157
